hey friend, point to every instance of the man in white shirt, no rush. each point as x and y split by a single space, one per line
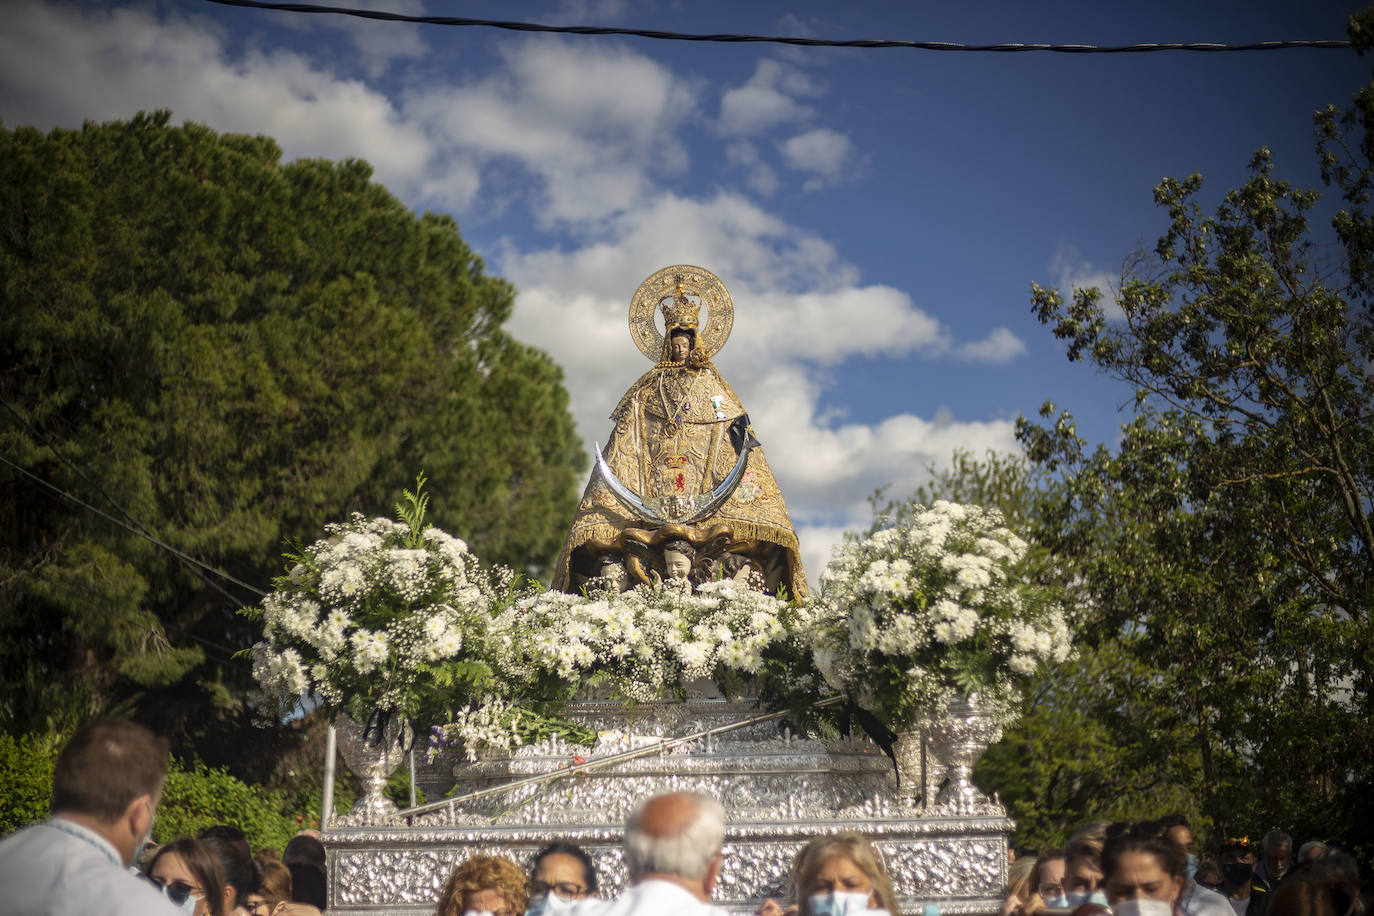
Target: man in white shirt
672 852
106 786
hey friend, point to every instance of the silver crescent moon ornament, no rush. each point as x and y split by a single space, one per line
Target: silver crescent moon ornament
691 281
682 510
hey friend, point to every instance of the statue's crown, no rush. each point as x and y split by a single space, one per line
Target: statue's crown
679 311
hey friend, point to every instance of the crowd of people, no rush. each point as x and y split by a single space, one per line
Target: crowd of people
95 856
1151 868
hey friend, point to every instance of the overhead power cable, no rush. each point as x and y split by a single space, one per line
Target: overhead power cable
386 16
146 535
142 529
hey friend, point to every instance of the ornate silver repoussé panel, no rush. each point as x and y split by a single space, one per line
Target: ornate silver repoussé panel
779 790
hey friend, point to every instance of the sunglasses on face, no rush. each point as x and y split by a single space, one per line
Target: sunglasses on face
176 891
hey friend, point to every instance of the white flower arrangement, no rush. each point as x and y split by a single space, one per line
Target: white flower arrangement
932 610
378 617
641 645
385 618
649 641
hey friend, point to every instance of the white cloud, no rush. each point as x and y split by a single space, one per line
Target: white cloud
827 154
61 65
766 100
1070 271
999 347
379 43
594 123
817 543
759 177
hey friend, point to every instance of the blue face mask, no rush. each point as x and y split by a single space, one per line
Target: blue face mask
1058 901
1191 868
1079 898
838 903
549 904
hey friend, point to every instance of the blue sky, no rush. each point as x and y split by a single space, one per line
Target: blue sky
878 215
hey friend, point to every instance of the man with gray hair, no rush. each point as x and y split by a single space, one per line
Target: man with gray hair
672 852
1276 852
1310 850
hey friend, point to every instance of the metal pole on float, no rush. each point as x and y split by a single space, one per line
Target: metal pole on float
327 803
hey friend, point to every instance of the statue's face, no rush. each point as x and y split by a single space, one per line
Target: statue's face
616 577
679 347
677 564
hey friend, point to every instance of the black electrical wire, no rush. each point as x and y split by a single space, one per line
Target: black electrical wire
146 535
385 16
143 529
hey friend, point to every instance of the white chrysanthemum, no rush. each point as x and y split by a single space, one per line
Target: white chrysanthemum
885 539
342 582
408 572
331 636
1022 664
435 627
281 672
964 626
973 577
861 628
944 609
944 632
369 650
695 658
900 637
827 664
1023 638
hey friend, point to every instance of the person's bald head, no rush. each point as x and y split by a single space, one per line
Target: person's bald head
676 835
668 815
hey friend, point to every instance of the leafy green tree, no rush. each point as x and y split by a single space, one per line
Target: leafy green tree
1089 744
1226 544
231 351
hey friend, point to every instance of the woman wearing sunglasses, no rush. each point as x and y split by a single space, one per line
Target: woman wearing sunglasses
189 876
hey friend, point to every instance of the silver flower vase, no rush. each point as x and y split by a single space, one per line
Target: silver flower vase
958 741
920 769
372 758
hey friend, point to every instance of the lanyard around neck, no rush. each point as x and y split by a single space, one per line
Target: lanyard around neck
80 833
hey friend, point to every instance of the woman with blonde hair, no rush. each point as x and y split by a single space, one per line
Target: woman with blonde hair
271 888
1020 890
484 884
840 875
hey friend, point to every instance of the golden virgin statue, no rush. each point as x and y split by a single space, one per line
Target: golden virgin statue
682 489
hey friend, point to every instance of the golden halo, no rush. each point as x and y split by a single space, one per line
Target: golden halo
695 281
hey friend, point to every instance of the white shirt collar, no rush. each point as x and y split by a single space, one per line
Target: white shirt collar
82 832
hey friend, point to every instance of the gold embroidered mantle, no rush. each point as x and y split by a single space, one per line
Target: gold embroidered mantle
671 437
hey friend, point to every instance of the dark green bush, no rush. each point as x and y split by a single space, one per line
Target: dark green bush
26 768
197 797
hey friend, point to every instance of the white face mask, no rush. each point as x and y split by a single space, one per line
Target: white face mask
838 903
1140 907
1079 898
549 904
478 913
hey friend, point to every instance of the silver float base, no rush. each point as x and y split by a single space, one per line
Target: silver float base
778 791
